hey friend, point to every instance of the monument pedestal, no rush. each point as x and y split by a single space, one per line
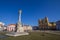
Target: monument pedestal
17 34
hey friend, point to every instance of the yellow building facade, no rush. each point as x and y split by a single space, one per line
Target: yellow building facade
45 24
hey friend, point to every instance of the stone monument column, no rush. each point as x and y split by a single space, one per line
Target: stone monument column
19 17
19 24
19 29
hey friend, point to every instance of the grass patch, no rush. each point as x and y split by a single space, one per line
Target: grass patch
34 36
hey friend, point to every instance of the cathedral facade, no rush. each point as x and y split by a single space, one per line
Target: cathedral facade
44 24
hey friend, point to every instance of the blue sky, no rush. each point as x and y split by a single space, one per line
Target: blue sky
32 10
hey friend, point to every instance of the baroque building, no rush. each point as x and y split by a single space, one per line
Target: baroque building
58 25
44 24
11 27
2 26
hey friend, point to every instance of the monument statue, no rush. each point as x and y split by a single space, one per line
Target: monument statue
19 29
19 24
